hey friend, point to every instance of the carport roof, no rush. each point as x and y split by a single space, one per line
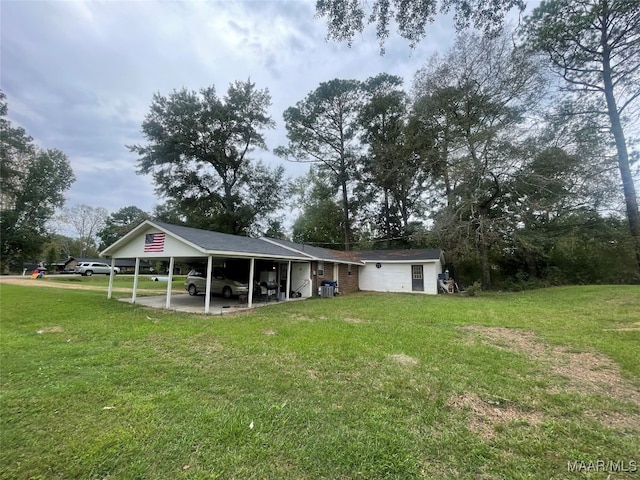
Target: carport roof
210 243
318 253
225 242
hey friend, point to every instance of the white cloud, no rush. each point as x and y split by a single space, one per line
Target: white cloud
79 76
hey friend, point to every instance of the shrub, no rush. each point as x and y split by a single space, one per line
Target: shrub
474 289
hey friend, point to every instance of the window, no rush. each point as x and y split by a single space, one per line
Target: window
416 272
321 269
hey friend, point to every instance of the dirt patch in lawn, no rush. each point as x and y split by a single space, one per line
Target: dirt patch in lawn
355 320
403 359
585 373
485 415
634 328
28 282
54 329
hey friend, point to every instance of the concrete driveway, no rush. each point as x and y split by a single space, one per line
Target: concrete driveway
187 303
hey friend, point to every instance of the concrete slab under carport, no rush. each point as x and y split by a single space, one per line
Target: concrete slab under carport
195 304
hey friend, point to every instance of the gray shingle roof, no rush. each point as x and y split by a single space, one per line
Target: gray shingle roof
319 253
400 255
224 242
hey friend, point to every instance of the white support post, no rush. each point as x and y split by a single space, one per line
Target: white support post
135 280
169 283
251 270
207 297
288 279
111 275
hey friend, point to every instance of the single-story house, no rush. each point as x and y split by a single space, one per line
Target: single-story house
297 269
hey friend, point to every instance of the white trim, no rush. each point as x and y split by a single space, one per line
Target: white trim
136 273
288 285
170 282
207 290
403 261
251 274
111 275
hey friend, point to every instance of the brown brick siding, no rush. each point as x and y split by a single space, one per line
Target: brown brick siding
348 283
316 280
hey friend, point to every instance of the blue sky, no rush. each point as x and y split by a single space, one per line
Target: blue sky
79 76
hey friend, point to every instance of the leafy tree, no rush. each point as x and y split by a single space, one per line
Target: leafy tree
482 88
169 212
276 229
569 177
323 129
197 151
32 186
119 223
87 222
392 172
320 219
345 18
64 247
579 247
595 46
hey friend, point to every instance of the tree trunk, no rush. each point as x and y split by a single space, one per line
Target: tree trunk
630 198
387 221
484 255
345 208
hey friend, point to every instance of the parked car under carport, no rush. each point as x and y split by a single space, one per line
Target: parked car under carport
222 283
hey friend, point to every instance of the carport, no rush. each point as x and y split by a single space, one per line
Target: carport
153 241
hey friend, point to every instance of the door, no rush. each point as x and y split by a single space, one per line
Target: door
417 278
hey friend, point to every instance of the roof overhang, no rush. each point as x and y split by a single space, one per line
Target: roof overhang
112 250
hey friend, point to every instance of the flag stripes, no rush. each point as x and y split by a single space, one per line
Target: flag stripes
154 242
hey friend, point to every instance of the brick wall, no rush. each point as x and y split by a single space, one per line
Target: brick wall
348 283
316 280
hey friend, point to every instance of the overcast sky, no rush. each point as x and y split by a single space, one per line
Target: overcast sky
79 76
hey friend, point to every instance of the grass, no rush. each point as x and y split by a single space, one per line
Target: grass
361 386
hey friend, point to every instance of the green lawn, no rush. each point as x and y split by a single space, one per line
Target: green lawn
361 386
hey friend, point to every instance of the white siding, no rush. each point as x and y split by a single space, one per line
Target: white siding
396 277
301 277
172 247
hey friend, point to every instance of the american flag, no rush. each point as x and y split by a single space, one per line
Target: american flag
154 242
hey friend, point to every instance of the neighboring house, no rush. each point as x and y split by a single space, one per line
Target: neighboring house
295 268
